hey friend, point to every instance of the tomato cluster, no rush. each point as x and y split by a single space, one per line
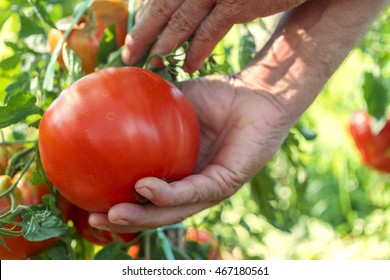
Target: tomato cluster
374 147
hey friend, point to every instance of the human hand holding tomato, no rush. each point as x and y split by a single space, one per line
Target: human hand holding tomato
240 131
172 22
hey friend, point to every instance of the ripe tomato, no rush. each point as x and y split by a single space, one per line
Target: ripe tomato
94 235
204 236
27 194
112 128
85 37
374 148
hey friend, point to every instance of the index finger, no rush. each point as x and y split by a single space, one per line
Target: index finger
153 20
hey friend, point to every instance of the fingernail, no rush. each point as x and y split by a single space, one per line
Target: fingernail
121 222
101 227
145 192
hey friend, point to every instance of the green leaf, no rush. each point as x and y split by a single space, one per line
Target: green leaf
73 64
114 59
17 108
107 44
22 84
263 193
41 12
41 224
10 62
58 253
376 95
3 243
29 27
114 251
39 174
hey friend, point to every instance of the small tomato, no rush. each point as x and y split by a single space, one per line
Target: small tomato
374 148
85 37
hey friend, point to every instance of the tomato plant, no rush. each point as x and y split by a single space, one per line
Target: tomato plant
93 235
373 147
112 128
310 187
26 194
86 35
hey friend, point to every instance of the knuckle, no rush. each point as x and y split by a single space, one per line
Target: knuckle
181 23
162 8
233 8
208 32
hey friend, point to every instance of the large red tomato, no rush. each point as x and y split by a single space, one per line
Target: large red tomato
94 235
112 128
85 37
27 194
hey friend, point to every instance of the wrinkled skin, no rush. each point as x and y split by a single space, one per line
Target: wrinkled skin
169 23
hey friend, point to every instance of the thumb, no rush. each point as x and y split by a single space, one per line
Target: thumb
190 190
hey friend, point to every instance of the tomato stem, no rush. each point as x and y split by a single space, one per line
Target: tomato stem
10 171
131 21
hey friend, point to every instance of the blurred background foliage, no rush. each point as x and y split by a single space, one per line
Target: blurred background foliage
315 199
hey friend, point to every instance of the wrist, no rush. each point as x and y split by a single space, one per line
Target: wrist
306 48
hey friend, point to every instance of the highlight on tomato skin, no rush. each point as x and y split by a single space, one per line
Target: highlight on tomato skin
85 37
112 128
374 148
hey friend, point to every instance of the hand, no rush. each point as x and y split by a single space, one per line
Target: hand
241 128
172 22
244 119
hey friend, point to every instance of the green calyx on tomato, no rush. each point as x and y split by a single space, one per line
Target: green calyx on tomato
373 147
85 37
112 128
